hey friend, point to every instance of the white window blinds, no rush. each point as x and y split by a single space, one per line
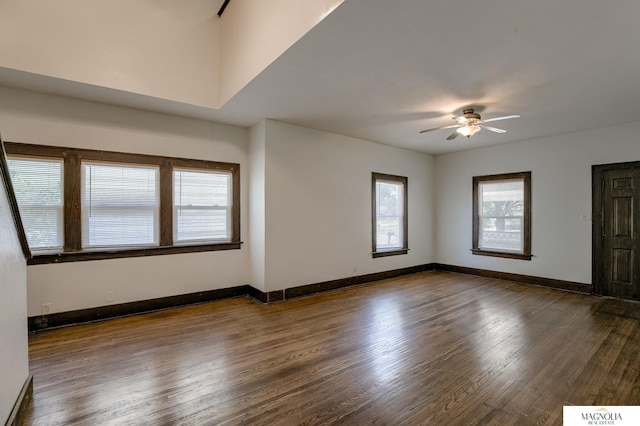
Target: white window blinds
201 206
120 205
38 188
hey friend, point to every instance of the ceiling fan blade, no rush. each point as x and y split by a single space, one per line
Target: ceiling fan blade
506 117
439 128
453 135
493 129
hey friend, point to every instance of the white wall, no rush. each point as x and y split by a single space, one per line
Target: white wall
44 119
14 359
561 193
257 158
253 34
150 47
318 205
145 47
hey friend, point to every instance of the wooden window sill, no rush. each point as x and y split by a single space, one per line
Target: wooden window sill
44 259
386 253
507 255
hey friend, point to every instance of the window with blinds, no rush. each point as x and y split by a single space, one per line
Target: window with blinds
81 204
201 206
38 188
120 205
389 215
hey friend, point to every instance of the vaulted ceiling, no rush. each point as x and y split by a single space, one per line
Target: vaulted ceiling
384 70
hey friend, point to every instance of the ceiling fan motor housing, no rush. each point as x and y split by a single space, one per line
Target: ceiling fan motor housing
469 117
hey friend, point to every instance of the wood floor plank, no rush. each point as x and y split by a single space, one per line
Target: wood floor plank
430 348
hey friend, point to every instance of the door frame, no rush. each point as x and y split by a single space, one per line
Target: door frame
597 214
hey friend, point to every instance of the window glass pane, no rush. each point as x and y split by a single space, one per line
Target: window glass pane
501 215
389 215
120 205
201 206
38 187
389 232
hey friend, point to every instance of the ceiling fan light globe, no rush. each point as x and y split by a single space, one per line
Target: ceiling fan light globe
468 131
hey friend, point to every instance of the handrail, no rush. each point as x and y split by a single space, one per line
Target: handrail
223 7
13 202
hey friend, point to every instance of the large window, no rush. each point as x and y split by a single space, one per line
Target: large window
502 215
389 215
120 205
37 183
81 204
201 206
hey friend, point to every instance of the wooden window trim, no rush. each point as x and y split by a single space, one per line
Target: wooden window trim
526 253
374 219
73 158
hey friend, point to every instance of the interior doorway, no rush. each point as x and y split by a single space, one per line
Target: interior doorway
616 230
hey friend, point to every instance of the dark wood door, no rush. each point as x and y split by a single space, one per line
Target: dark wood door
621 235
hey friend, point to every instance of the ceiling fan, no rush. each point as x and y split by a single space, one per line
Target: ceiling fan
470 123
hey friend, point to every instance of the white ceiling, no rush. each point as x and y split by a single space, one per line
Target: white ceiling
384 70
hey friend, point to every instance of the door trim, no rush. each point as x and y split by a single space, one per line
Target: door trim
597 214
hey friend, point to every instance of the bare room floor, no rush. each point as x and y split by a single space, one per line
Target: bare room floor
431 348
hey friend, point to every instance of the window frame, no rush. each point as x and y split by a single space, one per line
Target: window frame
44 249
403 180
228 210
73 158
526 216
84 202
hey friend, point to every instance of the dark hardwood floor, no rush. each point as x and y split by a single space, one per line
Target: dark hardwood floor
432 348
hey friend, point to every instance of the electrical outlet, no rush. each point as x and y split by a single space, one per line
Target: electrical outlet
46 308
111 296
355 269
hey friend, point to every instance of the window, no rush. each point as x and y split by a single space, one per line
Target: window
80 204
201 206
389 215
37 183
120 205
502 215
